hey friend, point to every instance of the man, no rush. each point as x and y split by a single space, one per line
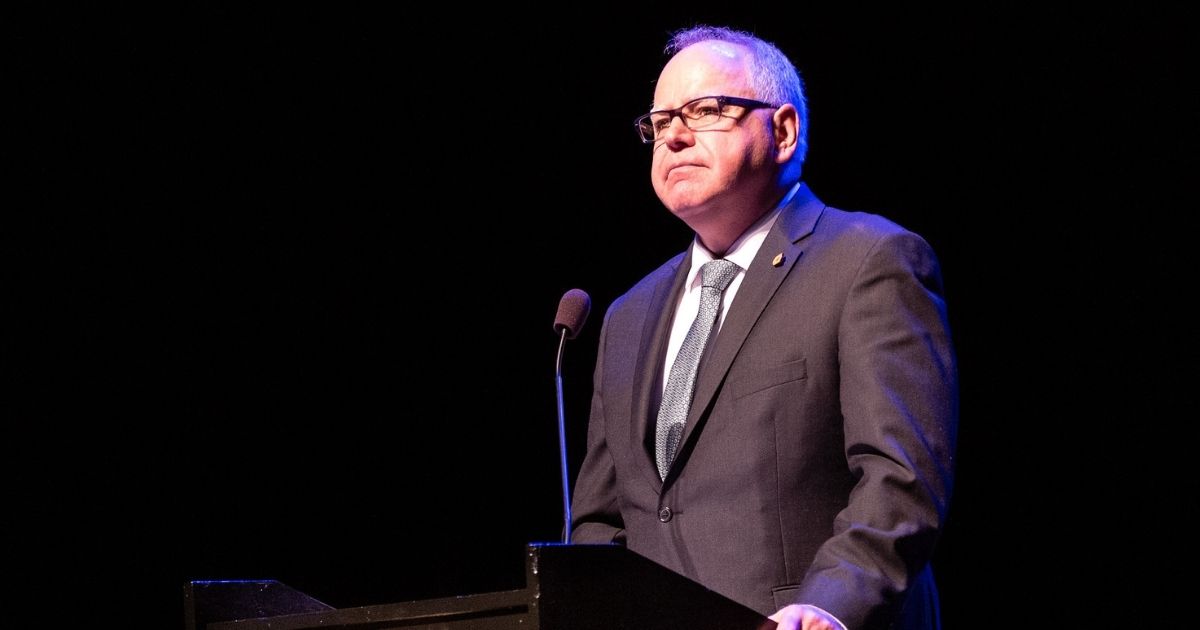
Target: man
803 468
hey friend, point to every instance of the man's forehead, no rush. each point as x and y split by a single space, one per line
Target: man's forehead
700 69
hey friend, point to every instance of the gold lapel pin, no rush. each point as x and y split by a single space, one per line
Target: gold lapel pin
778 260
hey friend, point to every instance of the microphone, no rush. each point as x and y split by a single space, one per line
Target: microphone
573 310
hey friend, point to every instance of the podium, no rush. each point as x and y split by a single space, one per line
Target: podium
575 587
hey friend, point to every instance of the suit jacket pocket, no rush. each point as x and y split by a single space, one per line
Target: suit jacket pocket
785 595
761 379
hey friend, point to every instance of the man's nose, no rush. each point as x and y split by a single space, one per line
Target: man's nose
677 131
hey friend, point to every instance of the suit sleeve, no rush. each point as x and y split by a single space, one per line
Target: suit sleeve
595 515
899 403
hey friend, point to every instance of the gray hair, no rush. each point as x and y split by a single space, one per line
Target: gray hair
773 77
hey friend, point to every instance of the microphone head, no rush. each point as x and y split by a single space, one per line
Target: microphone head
573 310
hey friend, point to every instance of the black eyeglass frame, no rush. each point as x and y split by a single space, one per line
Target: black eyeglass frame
722 101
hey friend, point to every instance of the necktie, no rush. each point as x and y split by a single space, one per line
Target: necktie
715 276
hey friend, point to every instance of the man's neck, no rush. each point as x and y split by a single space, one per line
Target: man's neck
729 224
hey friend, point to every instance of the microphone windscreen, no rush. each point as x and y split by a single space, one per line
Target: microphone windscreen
573 310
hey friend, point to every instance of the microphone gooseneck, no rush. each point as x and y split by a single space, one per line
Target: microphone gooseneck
572 313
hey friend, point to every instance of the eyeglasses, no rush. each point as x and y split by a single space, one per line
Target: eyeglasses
695 114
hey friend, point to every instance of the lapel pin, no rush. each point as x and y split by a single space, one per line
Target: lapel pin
778 260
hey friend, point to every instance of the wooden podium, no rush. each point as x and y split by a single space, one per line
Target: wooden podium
567 587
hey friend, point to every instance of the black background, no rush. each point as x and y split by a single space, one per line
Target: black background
280 284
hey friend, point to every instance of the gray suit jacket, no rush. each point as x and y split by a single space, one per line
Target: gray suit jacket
816 463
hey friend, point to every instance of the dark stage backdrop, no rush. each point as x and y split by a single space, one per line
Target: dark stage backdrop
280 285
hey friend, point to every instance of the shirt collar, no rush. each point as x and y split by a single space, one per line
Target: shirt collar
745 248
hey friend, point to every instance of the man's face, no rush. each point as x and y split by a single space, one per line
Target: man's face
700 172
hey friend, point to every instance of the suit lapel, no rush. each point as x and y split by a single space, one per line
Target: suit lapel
762 279
656 329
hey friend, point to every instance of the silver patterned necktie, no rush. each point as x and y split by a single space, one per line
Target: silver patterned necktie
715 276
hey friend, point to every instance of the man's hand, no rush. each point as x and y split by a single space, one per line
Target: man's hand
804 617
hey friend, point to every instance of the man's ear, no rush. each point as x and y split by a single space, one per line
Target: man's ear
787 132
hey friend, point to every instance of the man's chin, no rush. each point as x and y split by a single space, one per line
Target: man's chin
687 211
683 200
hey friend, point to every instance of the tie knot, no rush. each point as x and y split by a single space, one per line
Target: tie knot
718 273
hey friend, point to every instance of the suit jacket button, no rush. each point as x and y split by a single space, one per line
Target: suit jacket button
664 514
